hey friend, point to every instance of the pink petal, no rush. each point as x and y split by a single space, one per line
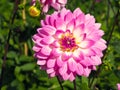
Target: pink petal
89 20
86 44
46 50
52 74
55 52
41 62
66 56
78 31
55 44
77 12
36 37
87 62
65 76
63 13
36 48
45 8
68 17
47 40
97 25
72 77
97 51
100 45
42 1
51 63
59 61
79 69
78 55
88 52
40 56
86 72
48 30
72 65
70 25
63 69
96 60
51 70
80 19
60 24
56 6
58 34
62 1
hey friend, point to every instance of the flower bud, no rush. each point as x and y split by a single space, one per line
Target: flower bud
33 11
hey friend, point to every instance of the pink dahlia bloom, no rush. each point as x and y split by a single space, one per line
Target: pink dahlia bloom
118 86
56 4
69 44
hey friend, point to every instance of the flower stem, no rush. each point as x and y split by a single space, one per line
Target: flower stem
74 82
7 43
60 83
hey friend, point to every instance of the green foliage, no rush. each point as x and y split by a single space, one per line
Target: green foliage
21 71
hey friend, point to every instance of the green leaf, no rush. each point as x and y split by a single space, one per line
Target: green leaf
11 54
24 58
28 67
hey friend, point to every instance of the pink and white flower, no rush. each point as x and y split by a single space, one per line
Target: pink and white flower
69 44
46 4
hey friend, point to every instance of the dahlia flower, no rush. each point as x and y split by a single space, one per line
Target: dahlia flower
118 86
56 4
69 44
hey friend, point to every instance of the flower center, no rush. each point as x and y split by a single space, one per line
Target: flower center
67 42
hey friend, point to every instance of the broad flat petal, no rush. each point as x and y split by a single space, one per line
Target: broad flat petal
45 8
63 69
58 34
78 55
97 25
97 51
59 61
56 6
66 56
71 25
86 72
51 63
78 31
47 40
100 45
72 77
89 20
56 52
68 17
36 37
36 48
86 44
80 19
77 12
48 30
40 56
88 52
96 60
60 24
87 61
52 74
72 65
50 70
65 76
41 62
46 50
79 69
62 1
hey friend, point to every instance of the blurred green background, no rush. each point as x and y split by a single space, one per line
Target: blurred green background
21 71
